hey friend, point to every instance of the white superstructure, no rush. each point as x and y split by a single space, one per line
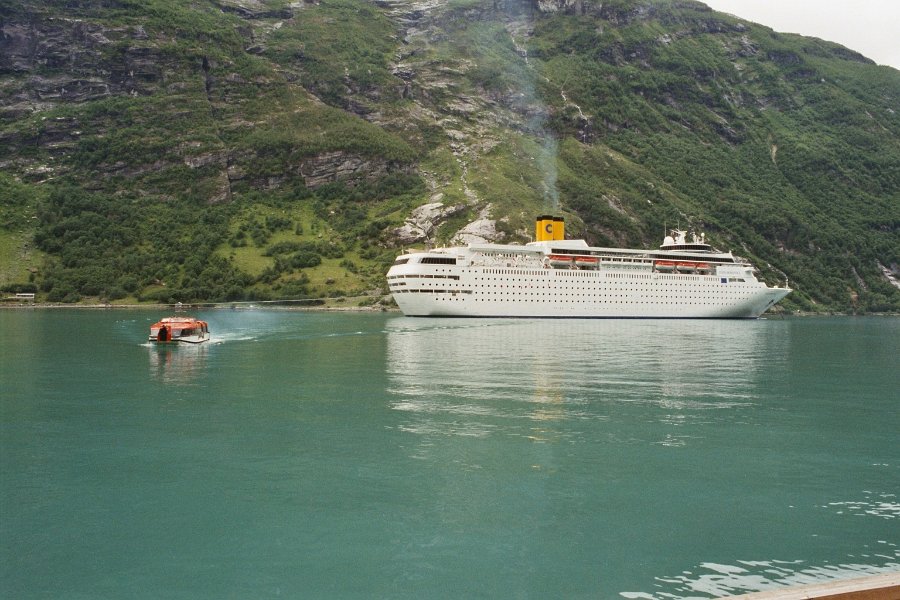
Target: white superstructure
568 278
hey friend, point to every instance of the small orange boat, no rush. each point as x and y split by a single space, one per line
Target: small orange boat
187 330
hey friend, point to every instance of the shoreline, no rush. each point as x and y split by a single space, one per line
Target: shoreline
325 307
322 304
170 307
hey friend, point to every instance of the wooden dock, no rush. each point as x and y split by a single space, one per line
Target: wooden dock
885 586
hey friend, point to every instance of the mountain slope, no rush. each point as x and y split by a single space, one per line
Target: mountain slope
250 149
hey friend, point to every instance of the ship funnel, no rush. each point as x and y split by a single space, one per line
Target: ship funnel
543 228
548 228
559 228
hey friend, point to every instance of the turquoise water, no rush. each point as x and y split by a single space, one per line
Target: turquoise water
341 455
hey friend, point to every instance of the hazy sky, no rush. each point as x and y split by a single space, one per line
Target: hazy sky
871 27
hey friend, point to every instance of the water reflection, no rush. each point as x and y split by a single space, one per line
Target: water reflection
177 365
477 377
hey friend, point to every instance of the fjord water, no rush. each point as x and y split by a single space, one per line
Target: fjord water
318 454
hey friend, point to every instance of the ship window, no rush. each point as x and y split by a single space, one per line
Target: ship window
438 260
401 261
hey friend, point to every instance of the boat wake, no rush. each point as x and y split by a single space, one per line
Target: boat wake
227 338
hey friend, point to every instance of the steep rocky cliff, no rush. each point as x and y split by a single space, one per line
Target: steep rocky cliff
343 129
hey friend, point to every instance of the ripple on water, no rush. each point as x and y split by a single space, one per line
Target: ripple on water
881 505
714 580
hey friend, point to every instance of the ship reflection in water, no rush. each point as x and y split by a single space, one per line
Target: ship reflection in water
653 458
477 377
177 365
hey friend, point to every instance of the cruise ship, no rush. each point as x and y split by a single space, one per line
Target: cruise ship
560 278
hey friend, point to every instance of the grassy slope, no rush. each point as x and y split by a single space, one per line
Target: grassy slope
162 157
784 148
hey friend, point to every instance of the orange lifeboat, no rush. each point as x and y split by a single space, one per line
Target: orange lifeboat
185 330
664 265
561 260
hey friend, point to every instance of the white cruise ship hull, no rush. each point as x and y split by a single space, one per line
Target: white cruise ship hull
608 294
568 279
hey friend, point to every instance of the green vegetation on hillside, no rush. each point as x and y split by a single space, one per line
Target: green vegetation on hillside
225 150
785 147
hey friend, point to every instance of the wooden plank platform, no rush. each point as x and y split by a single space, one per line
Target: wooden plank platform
885 586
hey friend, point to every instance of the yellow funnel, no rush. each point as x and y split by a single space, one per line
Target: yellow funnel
543 228
548 228
559 228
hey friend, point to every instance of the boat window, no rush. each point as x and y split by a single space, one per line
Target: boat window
437 260
401 261
571 251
